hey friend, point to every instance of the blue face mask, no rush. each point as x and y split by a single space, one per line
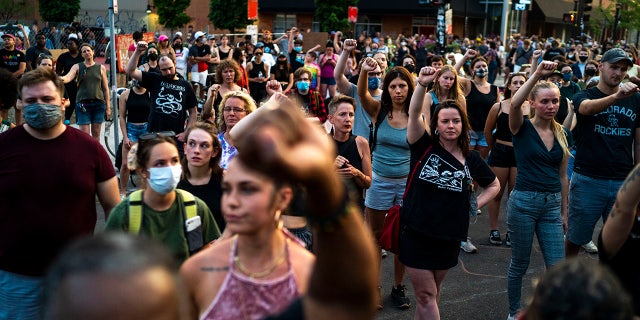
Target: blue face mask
302 86
41 115
298 48
567 76
164 179
374 83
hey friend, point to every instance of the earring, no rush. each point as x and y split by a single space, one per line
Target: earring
277 219
436 132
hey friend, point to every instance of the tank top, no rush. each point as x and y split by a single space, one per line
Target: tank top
502 127
391 156
479 104
349 150
90 83
138 107
223 55
257 68
242 297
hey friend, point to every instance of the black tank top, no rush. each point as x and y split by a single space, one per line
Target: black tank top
257 68
349 150
138 106
479 104
502 127
223 55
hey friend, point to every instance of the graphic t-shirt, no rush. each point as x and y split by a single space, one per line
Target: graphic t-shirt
171 99
10 60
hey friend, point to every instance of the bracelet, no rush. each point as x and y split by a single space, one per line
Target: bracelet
333 221
422 85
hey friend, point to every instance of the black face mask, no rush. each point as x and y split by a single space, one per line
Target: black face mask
152 56
590 72
177 45
583 58
411 68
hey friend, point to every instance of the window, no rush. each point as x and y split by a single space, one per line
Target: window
282 22
370 24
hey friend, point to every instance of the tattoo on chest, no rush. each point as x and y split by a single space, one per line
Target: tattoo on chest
215 269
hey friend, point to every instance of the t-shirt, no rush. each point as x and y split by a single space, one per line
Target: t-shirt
11 60
538 168
604 141
171 100
200 51
211 194
437 202
166 226
47 191
32 54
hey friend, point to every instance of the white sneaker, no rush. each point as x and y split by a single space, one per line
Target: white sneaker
510 317
590 247
468 247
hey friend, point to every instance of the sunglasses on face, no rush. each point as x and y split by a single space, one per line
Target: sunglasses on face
153 135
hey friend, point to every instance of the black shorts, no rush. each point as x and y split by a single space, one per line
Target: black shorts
501 156
423 252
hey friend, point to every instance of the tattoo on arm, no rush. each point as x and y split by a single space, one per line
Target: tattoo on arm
215 269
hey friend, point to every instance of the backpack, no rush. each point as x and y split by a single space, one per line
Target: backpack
192 226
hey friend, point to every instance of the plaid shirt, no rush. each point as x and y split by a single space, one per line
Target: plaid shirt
315 108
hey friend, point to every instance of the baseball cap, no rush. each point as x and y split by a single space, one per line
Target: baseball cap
8 35
163 38
282 54
198 35
178 34
614 55
259 45
73 36
211 36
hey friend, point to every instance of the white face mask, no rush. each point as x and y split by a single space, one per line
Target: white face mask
164 179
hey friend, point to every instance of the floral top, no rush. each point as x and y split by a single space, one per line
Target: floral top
228 151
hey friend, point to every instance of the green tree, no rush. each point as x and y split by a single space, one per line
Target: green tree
172 13
333 14
59 11
229 14
10 9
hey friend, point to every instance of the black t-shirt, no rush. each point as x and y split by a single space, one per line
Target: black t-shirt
437 202
605 141
32 54
210 193
66 61
11 60
171 100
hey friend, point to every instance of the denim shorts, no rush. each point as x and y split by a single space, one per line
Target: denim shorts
328 81
384 192
20 296
476 138
135 130
589 200
502 156
90 111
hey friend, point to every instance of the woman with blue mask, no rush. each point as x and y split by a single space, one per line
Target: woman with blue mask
481 96
164 211
309 100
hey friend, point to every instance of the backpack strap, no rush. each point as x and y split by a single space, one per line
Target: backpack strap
189 202
135 208
135 211
373 132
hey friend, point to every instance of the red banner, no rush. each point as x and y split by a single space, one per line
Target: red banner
252 10
352 14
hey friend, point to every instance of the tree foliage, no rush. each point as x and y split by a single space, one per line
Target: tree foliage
228 14
172 13
333 14
59 11
10 9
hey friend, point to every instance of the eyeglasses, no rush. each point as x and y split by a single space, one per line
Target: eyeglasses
159 134
233 109
257 54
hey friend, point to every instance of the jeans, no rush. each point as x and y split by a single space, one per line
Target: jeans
20 296
529 213
589 200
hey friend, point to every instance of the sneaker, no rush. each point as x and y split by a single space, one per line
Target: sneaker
468 247
590 247
507 240
494 237
399 297
384 253
510 317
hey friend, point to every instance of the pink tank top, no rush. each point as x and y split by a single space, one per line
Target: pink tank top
241 297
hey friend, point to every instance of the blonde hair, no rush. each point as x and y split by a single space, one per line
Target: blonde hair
556 128
249 106
455 93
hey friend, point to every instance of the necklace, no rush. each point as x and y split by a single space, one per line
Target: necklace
259 274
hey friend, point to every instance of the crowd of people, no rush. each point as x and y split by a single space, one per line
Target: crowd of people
244 150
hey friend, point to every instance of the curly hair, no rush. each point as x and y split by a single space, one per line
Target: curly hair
227 64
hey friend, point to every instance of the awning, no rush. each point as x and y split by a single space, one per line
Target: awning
554 9
287 6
